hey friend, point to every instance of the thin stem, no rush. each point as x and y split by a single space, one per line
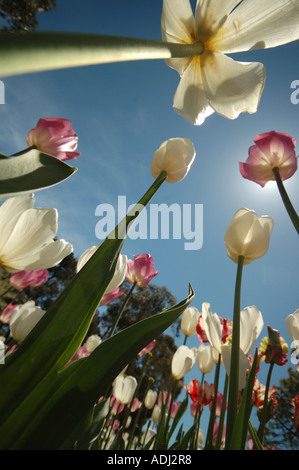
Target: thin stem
235 357
222 414
263 419
209 440
121 311
286 200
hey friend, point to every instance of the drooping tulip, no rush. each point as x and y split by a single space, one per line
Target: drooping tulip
189 321
54 136
175 157
271 150
120 269
124 388
23 279
27 236
141 270
183 361
23 320
248 235
212 81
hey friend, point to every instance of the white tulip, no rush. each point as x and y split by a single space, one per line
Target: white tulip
124 388
175 157
205 359
292 322
248 235
27 236
23 320
156 414
150 399
92 342
183 361
189 321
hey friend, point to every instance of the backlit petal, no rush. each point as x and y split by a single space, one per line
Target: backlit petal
257 24
232 87
211 14
177 22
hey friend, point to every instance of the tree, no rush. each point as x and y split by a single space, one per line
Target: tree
20 15
280 431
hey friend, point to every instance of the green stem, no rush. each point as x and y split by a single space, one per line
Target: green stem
263 419
235 357
286 200
222 414
34 52
121 311
209 440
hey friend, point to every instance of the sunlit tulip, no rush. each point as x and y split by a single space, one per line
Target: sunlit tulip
204 359
248 235
183 361
189 321
124 388
150 399
27 236
23 279
175 157
7 313
212 327
212 81
23 320
271 150
141 270
92 342
292 322
56 137
120 269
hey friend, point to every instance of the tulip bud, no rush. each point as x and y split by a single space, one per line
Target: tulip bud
183 361
175 157
189 321
204 359
124 388
150 399
23 320
156 414
248 235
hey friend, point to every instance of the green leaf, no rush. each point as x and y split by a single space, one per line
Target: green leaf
254 436
50 413
239 435
180 412
100 412
33 52
31 171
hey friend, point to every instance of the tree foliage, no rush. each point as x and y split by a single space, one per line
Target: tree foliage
21 15
280 431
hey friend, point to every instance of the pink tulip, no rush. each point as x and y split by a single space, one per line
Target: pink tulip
110 296
135 405
174 409
54 136
141 270
147 348
271 150
23 279
7 313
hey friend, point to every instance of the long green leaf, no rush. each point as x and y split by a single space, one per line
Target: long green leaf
31 171
56 405
59 333
33 52
239 435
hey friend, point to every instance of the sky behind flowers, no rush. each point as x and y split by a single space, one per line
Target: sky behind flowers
121 114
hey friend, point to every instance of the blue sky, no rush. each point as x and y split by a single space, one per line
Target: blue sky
121 114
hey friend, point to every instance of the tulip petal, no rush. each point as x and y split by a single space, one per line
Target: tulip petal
190 99
251 325
211 14
10 211
232 87
177 22
244 363
292 323
257 24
